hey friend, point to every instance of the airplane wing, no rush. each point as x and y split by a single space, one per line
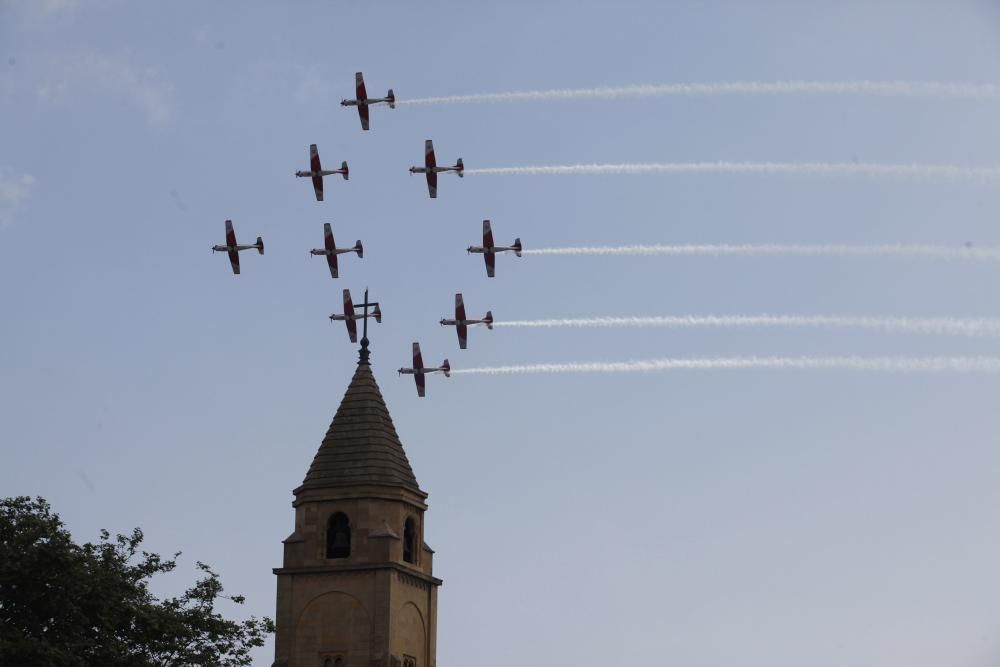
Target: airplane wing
328 237
430 164
460 327
432 184
359 85
352 325
488 255
362 94
330 245
418 367
317 169
314 163
487 234
429 161
234 254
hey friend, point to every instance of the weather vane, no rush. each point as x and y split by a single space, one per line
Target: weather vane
351 317
376 312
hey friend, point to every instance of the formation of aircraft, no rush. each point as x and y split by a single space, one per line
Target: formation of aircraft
351 313
316 171
350 318
331 250
362 101
432 170
418 371
489 250
461 323
233 248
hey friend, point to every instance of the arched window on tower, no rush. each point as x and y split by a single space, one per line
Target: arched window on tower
410 540
338 536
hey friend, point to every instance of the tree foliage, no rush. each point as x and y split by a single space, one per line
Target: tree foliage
78 605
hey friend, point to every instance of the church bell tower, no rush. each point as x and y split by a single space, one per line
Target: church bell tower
356 586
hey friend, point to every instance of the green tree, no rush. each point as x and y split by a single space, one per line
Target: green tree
79 605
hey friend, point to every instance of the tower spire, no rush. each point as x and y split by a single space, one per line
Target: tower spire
358 551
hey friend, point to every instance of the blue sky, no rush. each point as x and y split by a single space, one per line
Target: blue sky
763 518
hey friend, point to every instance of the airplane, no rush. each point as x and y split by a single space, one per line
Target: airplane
331 250
461 324
432 170
489 250
362 100
350 318
316 171
234 248
418 371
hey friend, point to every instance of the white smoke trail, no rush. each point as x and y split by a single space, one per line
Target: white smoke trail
989 175
882 88
979 365
991 254
948 326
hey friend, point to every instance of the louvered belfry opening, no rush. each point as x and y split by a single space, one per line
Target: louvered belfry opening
338 536
409 541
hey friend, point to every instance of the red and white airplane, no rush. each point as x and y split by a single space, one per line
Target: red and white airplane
233 248
489 250
418 371
331 250
351 318
461 324
361 101
432 170
317 172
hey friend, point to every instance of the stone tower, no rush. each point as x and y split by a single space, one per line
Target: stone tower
356 588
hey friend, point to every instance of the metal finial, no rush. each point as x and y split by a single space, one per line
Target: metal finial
364 353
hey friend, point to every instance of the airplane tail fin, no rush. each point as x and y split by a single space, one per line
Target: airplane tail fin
461 168
391 96
377 312
343 165
360 249
517 247
446 367
489 319
260 245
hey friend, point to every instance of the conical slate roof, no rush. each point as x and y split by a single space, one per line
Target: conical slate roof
361 447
